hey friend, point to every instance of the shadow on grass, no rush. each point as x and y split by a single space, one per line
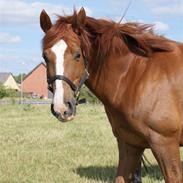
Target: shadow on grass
153 172
107 174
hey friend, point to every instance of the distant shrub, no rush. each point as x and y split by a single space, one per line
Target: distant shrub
18 77
13 93
3 92
6 92
88 95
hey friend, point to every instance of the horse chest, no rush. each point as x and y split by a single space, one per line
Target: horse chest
128 130
131 137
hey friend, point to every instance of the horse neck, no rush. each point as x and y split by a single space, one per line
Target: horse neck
104 81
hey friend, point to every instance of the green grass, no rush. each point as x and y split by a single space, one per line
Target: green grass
36 148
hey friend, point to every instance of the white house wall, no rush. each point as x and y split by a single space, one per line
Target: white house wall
11 83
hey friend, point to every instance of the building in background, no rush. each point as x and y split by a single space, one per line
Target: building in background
7 79
35 82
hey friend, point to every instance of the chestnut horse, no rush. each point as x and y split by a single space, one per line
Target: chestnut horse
137 75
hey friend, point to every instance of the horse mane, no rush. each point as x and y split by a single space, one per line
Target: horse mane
107 36
112 37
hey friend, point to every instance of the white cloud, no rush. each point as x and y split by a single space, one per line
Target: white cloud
7 38
161 27
166 7
164 2
22 13
19 59
176 9
17 63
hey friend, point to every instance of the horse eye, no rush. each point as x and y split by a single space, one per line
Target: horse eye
77 56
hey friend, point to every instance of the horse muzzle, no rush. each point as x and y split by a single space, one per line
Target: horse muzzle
65 112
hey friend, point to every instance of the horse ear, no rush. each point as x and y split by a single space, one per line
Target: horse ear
81 17
45 21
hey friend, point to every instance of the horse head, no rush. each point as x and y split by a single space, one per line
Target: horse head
65 61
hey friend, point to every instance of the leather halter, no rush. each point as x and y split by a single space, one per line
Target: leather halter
75 89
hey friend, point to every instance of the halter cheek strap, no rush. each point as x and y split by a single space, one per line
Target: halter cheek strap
85 76
50 80
76 89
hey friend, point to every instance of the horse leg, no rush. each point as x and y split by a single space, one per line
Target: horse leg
168 156
129 157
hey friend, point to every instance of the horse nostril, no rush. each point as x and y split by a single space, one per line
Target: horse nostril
66 113
70 109
55 113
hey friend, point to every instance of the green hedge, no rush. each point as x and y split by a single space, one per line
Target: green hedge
6 92
90 97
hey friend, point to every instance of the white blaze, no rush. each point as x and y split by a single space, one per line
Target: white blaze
59 50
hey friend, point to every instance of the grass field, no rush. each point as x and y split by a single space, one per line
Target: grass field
36 148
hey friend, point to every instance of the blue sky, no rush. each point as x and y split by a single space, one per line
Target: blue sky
20 34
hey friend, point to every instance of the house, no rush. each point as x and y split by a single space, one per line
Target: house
35 82
7 79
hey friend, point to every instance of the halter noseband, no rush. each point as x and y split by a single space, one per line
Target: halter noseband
75 89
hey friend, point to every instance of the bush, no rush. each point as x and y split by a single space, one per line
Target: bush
6 92
3 92
13 93
90 97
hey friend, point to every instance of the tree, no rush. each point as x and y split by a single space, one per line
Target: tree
18 77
